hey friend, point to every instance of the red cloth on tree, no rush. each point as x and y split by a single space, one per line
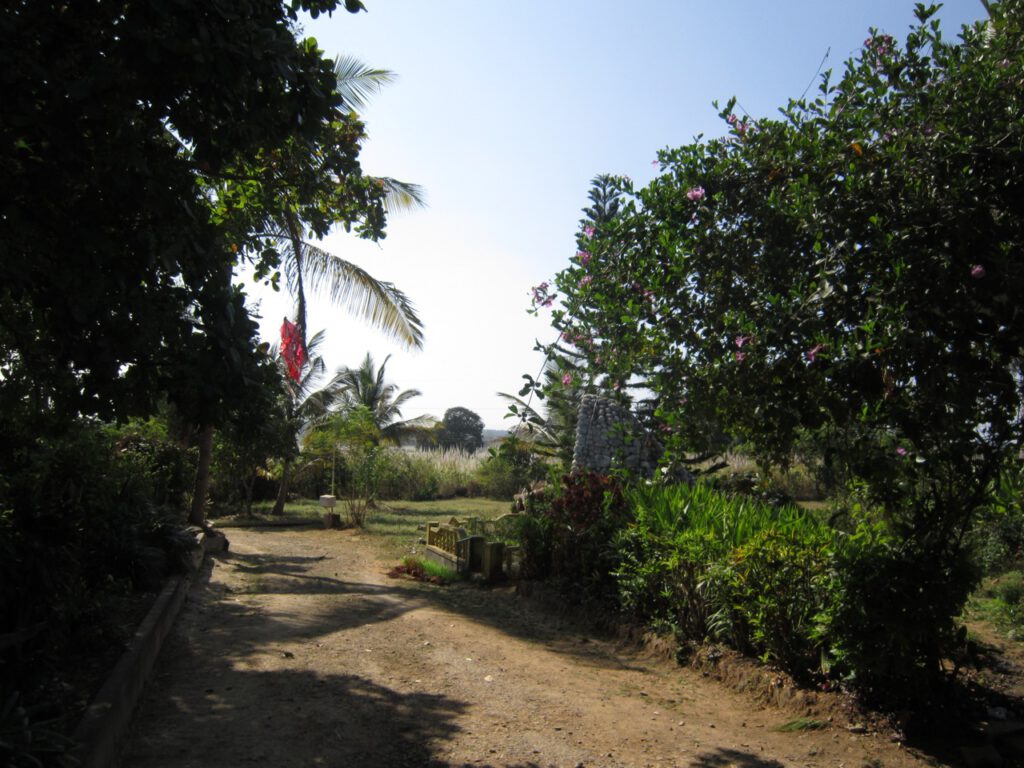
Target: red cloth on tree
293 349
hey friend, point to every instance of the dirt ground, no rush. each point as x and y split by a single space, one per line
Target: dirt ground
296 649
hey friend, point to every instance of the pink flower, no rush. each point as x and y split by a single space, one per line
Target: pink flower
741 340
584 257
567 379
655 163
732 119
694 194
541 297
586 280
977 271
901 451
740 356
588 231
813 351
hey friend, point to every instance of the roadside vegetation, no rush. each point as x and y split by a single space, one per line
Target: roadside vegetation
817 315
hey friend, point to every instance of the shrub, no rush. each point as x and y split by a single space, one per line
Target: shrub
568 534
998 542
889 613
707 565
508 469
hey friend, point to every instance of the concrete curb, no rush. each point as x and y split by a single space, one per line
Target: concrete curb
100 732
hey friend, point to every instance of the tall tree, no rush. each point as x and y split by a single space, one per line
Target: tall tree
462 429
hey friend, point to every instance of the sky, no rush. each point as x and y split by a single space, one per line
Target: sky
504 111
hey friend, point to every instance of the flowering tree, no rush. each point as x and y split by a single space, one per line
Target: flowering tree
845 272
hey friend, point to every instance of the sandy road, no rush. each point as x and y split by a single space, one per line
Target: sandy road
296 649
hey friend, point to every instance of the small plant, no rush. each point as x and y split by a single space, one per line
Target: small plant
802 724
423 570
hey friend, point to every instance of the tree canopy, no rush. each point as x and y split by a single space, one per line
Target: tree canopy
846 270
462 429
119 118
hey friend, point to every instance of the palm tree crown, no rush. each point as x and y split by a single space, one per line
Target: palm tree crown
308 267
366 386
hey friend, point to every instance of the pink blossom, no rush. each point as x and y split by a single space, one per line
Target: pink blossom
584 257
694 194
741 340
740 356
655 163
812 353
977 271
586 280
732 119
541 297
588 231
567 379
901 451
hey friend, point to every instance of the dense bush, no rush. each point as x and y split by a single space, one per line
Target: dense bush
78 529
889 617
707 565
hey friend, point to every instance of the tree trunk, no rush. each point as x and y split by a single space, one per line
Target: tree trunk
282 491
197 516
247 487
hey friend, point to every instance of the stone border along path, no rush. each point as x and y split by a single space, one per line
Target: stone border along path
101 730
295 649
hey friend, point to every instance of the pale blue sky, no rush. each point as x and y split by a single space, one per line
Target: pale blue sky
504 111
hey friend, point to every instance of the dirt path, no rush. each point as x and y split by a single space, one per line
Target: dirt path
296 649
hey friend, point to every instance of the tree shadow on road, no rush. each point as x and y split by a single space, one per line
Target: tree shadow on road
352 603
723 756
209 712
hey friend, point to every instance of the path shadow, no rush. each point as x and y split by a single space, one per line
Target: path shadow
360 603
723 756
206 712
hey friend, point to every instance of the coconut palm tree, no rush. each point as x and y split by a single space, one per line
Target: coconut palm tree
309 268
308 402
366 386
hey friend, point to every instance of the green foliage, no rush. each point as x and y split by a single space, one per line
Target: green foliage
422 569
839 280
509 468
774 588
28 739
890 614
707 565
998 539
1001 601
116 257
